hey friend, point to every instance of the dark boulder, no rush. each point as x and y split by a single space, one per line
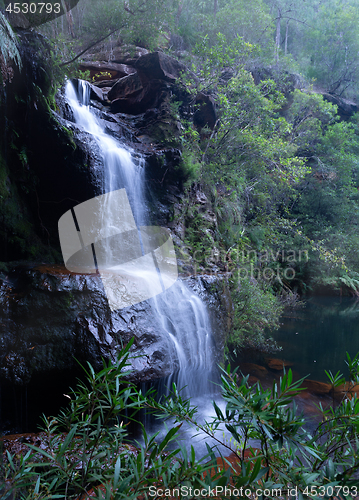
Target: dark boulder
346 108
159 66
126 87
149 97
205 114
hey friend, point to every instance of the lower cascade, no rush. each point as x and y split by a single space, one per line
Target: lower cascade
179 313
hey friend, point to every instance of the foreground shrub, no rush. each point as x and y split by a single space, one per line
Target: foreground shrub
86 449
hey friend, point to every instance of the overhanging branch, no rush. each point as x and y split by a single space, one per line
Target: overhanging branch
139 9
90 46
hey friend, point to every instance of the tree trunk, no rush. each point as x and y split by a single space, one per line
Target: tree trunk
277 36
286 38
179 12
70 19
215 7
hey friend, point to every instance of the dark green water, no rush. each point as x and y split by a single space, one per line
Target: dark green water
316 337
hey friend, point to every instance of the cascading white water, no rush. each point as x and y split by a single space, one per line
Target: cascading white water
184 318
120 167
181 315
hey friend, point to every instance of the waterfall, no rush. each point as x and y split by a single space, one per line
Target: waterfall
181 315
184 319
121 168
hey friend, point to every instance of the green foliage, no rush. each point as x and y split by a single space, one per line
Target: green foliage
87 446
310 116
255 308
286 454
250 21
333 44
86 449
284 183
219 56
8 42
234 18
190 165
248 165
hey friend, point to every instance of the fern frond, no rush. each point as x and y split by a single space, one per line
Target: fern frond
350 282
8 42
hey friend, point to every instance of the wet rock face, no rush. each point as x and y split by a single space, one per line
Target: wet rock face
51 320
59 165
50 316
68 164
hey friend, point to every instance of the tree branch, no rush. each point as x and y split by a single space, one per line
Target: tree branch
106 36
91 45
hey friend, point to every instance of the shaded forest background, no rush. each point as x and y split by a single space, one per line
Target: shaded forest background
256 147
278 167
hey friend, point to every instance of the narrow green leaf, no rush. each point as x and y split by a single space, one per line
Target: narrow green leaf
116 476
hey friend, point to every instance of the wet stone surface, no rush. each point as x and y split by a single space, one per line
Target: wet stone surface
51 320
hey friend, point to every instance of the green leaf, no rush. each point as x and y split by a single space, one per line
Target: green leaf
117 472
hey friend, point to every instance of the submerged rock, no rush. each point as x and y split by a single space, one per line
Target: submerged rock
278 364
316 387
